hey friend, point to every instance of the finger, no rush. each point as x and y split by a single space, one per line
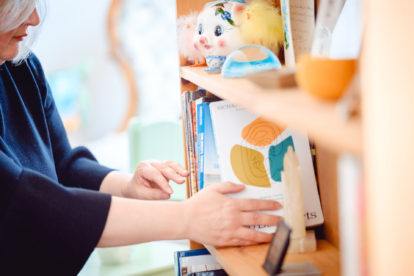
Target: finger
253 235
155 194
168 172
258 204
253 218
227 188
171 174
156 177
177 167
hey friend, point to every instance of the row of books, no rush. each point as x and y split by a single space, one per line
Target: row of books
225 142
188 106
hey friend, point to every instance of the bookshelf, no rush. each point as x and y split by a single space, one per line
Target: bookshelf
261 95
382 138
287 106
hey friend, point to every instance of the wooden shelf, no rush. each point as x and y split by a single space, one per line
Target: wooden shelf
291 107
248 261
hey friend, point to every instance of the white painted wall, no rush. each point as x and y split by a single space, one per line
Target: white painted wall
74 31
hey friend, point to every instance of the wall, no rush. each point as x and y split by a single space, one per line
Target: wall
74 33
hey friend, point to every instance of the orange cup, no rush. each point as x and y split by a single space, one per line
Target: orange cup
325 78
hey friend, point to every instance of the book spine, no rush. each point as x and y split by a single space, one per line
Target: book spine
193 137
177 260
185 99
200 144
193 162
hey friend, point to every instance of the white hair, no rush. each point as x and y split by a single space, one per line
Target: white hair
13 13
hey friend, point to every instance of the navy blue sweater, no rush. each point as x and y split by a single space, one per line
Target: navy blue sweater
51 215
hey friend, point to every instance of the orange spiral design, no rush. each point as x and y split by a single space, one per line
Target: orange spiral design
261 132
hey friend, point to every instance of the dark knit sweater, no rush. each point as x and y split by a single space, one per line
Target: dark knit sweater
51 215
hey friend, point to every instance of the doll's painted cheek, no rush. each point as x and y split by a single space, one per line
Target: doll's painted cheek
239 8
222 43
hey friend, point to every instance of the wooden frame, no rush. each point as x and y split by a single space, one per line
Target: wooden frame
119 57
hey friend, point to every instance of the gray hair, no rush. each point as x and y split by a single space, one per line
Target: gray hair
13 13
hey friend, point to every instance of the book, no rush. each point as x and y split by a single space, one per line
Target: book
208 169
211 165
298 24
219 272
189 112
184 120
185 100
328 14
196 262
200 142
206 154
347 35
251 151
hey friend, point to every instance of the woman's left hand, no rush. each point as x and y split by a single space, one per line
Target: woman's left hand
151 180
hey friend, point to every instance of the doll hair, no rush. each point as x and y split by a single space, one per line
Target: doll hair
12 14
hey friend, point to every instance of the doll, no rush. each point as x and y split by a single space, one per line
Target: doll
225 26
186 26
216 34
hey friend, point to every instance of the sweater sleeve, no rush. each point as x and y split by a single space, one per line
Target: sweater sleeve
75 167
44 226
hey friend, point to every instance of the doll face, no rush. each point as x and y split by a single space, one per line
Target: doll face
216 31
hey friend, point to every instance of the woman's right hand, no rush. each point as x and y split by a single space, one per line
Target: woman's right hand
215 219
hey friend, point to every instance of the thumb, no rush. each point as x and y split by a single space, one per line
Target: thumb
228 188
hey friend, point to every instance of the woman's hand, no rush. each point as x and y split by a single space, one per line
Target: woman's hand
218 220
208 217
151 180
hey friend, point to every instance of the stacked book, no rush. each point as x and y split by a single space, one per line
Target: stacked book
225 142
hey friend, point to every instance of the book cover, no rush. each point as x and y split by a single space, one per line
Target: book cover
211 165
298 24
328 14
200 142
195 96
194 261
251 151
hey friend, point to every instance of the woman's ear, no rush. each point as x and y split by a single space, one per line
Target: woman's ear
237 10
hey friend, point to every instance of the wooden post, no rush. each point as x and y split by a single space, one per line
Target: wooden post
387 69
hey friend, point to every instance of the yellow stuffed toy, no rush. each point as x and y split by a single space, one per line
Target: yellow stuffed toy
260 23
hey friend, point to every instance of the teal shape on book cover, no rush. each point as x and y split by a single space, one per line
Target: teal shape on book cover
276 156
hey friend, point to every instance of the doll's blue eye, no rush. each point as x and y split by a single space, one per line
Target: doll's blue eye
218 31
200 29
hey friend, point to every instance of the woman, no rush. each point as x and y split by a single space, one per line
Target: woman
57 203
